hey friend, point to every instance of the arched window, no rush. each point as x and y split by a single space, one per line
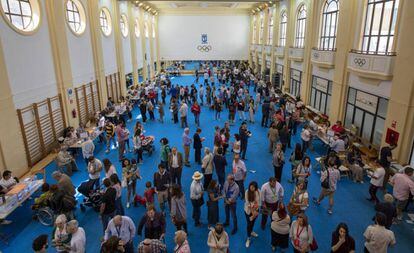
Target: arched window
329 24
22 15
146 30
105 21
261 28
75 15
137 31
379 28
254 30
124 25
282 29
270 28
300 27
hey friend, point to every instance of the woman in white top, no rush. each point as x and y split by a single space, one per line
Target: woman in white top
280 227
218 239
301 234
377 237
109 168
61 238
251 209
236 144
303 170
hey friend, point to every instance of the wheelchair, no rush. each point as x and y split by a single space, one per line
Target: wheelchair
45 216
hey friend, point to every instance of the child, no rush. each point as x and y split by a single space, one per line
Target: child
149 194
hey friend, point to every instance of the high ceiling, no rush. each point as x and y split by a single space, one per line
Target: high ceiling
184 6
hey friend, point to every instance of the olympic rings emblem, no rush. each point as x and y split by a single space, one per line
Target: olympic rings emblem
204 48
360 61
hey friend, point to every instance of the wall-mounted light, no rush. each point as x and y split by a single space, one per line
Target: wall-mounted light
140 4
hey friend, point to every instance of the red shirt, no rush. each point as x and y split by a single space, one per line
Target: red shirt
195 109
338 129
149 195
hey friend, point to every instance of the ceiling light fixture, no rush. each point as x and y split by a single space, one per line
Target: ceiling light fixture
140 4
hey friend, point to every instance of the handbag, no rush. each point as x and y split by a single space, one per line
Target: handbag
325 183
292 209
314 245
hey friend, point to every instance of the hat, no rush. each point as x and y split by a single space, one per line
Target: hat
197 175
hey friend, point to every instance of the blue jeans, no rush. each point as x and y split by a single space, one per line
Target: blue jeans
197 119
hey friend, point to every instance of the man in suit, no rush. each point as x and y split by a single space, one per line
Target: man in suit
197 145
175 163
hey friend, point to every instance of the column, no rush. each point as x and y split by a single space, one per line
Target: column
118 46
12 152
276 18
264 40
133 41
55 11
250 40
157 44
143 43
97 52
290 38
401 103
151 42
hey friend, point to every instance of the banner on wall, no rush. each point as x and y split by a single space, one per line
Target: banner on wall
366 101
204 47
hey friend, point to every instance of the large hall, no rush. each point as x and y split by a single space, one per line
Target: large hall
206 126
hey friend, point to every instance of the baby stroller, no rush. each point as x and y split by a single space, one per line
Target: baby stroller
148 144
92 197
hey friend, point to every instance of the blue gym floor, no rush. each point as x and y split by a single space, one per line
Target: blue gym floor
350 207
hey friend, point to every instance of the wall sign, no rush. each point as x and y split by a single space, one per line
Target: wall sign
204 47
392 136
366 101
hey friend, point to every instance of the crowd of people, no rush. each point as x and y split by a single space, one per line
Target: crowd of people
230 86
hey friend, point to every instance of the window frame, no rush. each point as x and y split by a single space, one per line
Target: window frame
82 17
295 84
270 27
367 35
283 28
364 112
326 95
300 29
108 20
35 17
325 29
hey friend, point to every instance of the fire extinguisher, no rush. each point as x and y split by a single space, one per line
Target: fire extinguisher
74 113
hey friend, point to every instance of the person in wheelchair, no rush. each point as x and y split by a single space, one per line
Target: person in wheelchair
61 203
43 199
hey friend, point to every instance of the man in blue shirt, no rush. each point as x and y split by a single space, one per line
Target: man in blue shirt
124 228
230 192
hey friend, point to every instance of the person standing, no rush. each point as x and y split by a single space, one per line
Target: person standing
186 144
329 179
244 137
306 138
183 114
273 136
278 161
403 186
377 237
196 195
64 183
207 167
78 240
218 240
94 170
387 207
174 110
280 227
377 178
138 145
161 183
117 185
301 234
196 110
122 135
124 228
230 193
385 160
39 244
341 241
108 207
175 163
220 164
265 112
251 209
87 149
165 152
197 145
110 135
239 172
161 110
271 194
214 196
178 208
153 223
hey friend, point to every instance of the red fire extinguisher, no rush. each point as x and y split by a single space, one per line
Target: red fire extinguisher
74 113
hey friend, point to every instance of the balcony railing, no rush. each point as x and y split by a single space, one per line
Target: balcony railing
370 65
296 54
323 58
268 49
279 51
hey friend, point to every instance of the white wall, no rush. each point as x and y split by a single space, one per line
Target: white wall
80 53
29 63
180 35
376 87
108 43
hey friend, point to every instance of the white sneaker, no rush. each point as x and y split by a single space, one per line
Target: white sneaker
254 234
247 243
127 205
